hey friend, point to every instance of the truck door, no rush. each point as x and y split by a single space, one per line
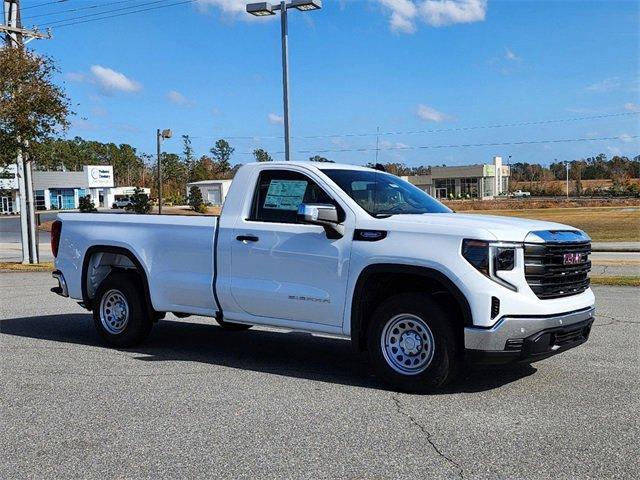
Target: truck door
284 269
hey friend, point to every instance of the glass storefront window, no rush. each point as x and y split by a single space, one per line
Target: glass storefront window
469 186
62 198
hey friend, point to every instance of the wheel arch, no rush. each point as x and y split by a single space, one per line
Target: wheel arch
122 251
424 279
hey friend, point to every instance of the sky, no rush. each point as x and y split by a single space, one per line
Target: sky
435 77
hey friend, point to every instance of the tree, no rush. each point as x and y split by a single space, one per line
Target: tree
32 107
196 202
86 205
139 202
262 155
187 154
221 153
318 158
203 169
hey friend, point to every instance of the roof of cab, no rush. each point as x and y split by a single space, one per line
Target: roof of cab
317 165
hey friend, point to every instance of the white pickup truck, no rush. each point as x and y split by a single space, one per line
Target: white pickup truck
341 250
521 194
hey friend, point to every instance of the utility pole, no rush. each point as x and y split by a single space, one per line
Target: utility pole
158 140
15 38
567 167
377 143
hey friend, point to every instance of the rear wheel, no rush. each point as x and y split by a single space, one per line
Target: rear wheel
411 343
119 313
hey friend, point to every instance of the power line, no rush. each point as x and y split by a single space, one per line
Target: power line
440 130
125 13
78 9
155 2
463 145
43 4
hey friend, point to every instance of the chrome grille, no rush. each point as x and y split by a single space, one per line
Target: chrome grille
555 270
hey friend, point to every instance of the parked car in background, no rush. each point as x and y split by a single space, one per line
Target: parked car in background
121 203
521 194
340 250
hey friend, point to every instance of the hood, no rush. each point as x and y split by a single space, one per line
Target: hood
484 227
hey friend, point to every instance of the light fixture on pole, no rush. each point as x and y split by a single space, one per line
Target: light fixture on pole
161 135
264 9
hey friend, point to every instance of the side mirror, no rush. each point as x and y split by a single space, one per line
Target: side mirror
325 215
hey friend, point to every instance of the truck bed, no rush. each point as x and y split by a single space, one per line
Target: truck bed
176 252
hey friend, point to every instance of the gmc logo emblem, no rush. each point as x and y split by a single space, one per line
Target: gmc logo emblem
572 258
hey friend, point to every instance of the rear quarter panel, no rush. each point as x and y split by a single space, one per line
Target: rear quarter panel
176 253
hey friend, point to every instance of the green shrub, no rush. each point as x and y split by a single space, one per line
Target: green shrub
139 202
196 202
86 205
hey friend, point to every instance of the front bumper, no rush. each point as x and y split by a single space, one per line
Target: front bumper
529 338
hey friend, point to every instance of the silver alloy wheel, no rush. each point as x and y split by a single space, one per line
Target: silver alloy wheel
114 311
407 344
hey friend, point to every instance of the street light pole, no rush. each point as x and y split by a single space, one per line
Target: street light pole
567 167
284 33
264 9
160 135
158 139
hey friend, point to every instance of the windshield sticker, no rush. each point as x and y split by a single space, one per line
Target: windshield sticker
285 194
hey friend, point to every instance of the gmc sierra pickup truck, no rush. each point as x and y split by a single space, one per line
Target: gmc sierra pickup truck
340 250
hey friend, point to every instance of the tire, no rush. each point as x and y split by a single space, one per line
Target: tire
119 312
412 343
233 326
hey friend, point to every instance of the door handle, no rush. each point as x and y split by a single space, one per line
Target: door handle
247 238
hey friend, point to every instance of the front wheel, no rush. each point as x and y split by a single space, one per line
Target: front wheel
412 344
119 313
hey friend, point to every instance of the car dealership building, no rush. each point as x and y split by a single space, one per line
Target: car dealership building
59 190
482 181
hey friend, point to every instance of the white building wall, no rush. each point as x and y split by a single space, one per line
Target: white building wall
47 199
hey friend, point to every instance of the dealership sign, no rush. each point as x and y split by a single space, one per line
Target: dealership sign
99 176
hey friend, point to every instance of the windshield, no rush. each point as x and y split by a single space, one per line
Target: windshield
381 194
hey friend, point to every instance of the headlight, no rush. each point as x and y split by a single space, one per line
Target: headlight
489 258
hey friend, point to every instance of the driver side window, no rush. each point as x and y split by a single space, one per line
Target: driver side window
279 193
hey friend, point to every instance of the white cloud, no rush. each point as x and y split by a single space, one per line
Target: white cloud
387 145
605 85
83 124
614 150
430 114
626 138
400 24
227 6
275 119
178 98
511 55
632 107
435 13
112 81
76 76
448 12
99 111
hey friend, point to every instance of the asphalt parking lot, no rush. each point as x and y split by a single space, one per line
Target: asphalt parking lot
199 401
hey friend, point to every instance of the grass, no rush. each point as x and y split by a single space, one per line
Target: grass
630 281
603 224
19 267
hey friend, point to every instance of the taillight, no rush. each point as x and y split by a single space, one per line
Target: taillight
56 229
